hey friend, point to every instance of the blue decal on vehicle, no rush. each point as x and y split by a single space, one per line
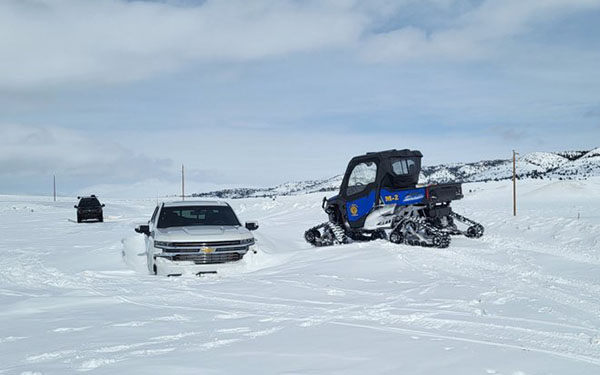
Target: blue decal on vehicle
358 208
403 197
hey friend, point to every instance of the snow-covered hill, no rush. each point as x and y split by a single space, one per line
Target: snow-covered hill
537 165
523 299
288 188
560 165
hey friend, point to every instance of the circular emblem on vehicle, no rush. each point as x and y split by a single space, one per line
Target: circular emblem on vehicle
353 210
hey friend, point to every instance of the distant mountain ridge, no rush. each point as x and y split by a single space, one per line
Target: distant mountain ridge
541 165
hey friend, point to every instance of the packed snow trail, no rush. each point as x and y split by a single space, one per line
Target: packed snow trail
524 299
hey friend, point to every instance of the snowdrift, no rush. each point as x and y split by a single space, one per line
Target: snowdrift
524 299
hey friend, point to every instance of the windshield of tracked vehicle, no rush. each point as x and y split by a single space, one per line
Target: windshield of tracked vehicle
89 202
185 216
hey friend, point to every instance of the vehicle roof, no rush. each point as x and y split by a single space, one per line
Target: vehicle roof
391 153
195 203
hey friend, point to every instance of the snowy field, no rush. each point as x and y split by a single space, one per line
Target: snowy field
524 299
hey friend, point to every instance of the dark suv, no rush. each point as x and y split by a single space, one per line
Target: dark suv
89 208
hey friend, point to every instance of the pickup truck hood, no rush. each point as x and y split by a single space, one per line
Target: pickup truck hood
202 233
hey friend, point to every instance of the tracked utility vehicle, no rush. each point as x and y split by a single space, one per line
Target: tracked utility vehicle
380 199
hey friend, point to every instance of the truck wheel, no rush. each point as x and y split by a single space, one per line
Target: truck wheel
101 218
78 219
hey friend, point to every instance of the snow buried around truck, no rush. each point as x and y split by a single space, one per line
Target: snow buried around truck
134 256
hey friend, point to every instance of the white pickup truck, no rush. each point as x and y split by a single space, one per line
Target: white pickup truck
195 237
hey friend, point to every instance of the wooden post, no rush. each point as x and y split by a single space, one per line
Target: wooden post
54 186
182 183
514 183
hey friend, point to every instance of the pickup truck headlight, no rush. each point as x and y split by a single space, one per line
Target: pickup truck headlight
247 241
161 244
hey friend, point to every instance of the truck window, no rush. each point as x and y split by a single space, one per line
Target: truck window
362 175
184 216
89 202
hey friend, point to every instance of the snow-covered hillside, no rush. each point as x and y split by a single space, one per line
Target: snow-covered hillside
524 299
288 188
538 165
561 165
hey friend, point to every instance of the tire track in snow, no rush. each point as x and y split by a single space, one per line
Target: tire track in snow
569 356
309 314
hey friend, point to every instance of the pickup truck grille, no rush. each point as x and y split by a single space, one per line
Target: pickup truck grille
205 244
212 258
199 249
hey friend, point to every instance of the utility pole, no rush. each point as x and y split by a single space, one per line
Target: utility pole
182 183
54 186
514 183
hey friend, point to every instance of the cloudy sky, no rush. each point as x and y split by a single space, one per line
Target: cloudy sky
116 94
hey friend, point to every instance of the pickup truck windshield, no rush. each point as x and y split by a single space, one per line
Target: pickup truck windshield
185 216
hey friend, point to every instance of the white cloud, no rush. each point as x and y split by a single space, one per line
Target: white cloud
480 33
61 41
27 151
30 154
46 42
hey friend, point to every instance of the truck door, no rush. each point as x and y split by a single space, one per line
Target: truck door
360 191
152 224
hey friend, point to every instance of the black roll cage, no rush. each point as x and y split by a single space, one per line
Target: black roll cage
383 160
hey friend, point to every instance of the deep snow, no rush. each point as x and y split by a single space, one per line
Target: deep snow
524 299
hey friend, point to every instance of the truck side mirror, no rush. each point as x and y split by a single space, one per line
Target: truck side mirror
103 205
252 225
144 229
75 206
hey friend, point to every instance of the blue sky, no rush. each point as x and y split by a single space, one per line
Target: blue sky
119 93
